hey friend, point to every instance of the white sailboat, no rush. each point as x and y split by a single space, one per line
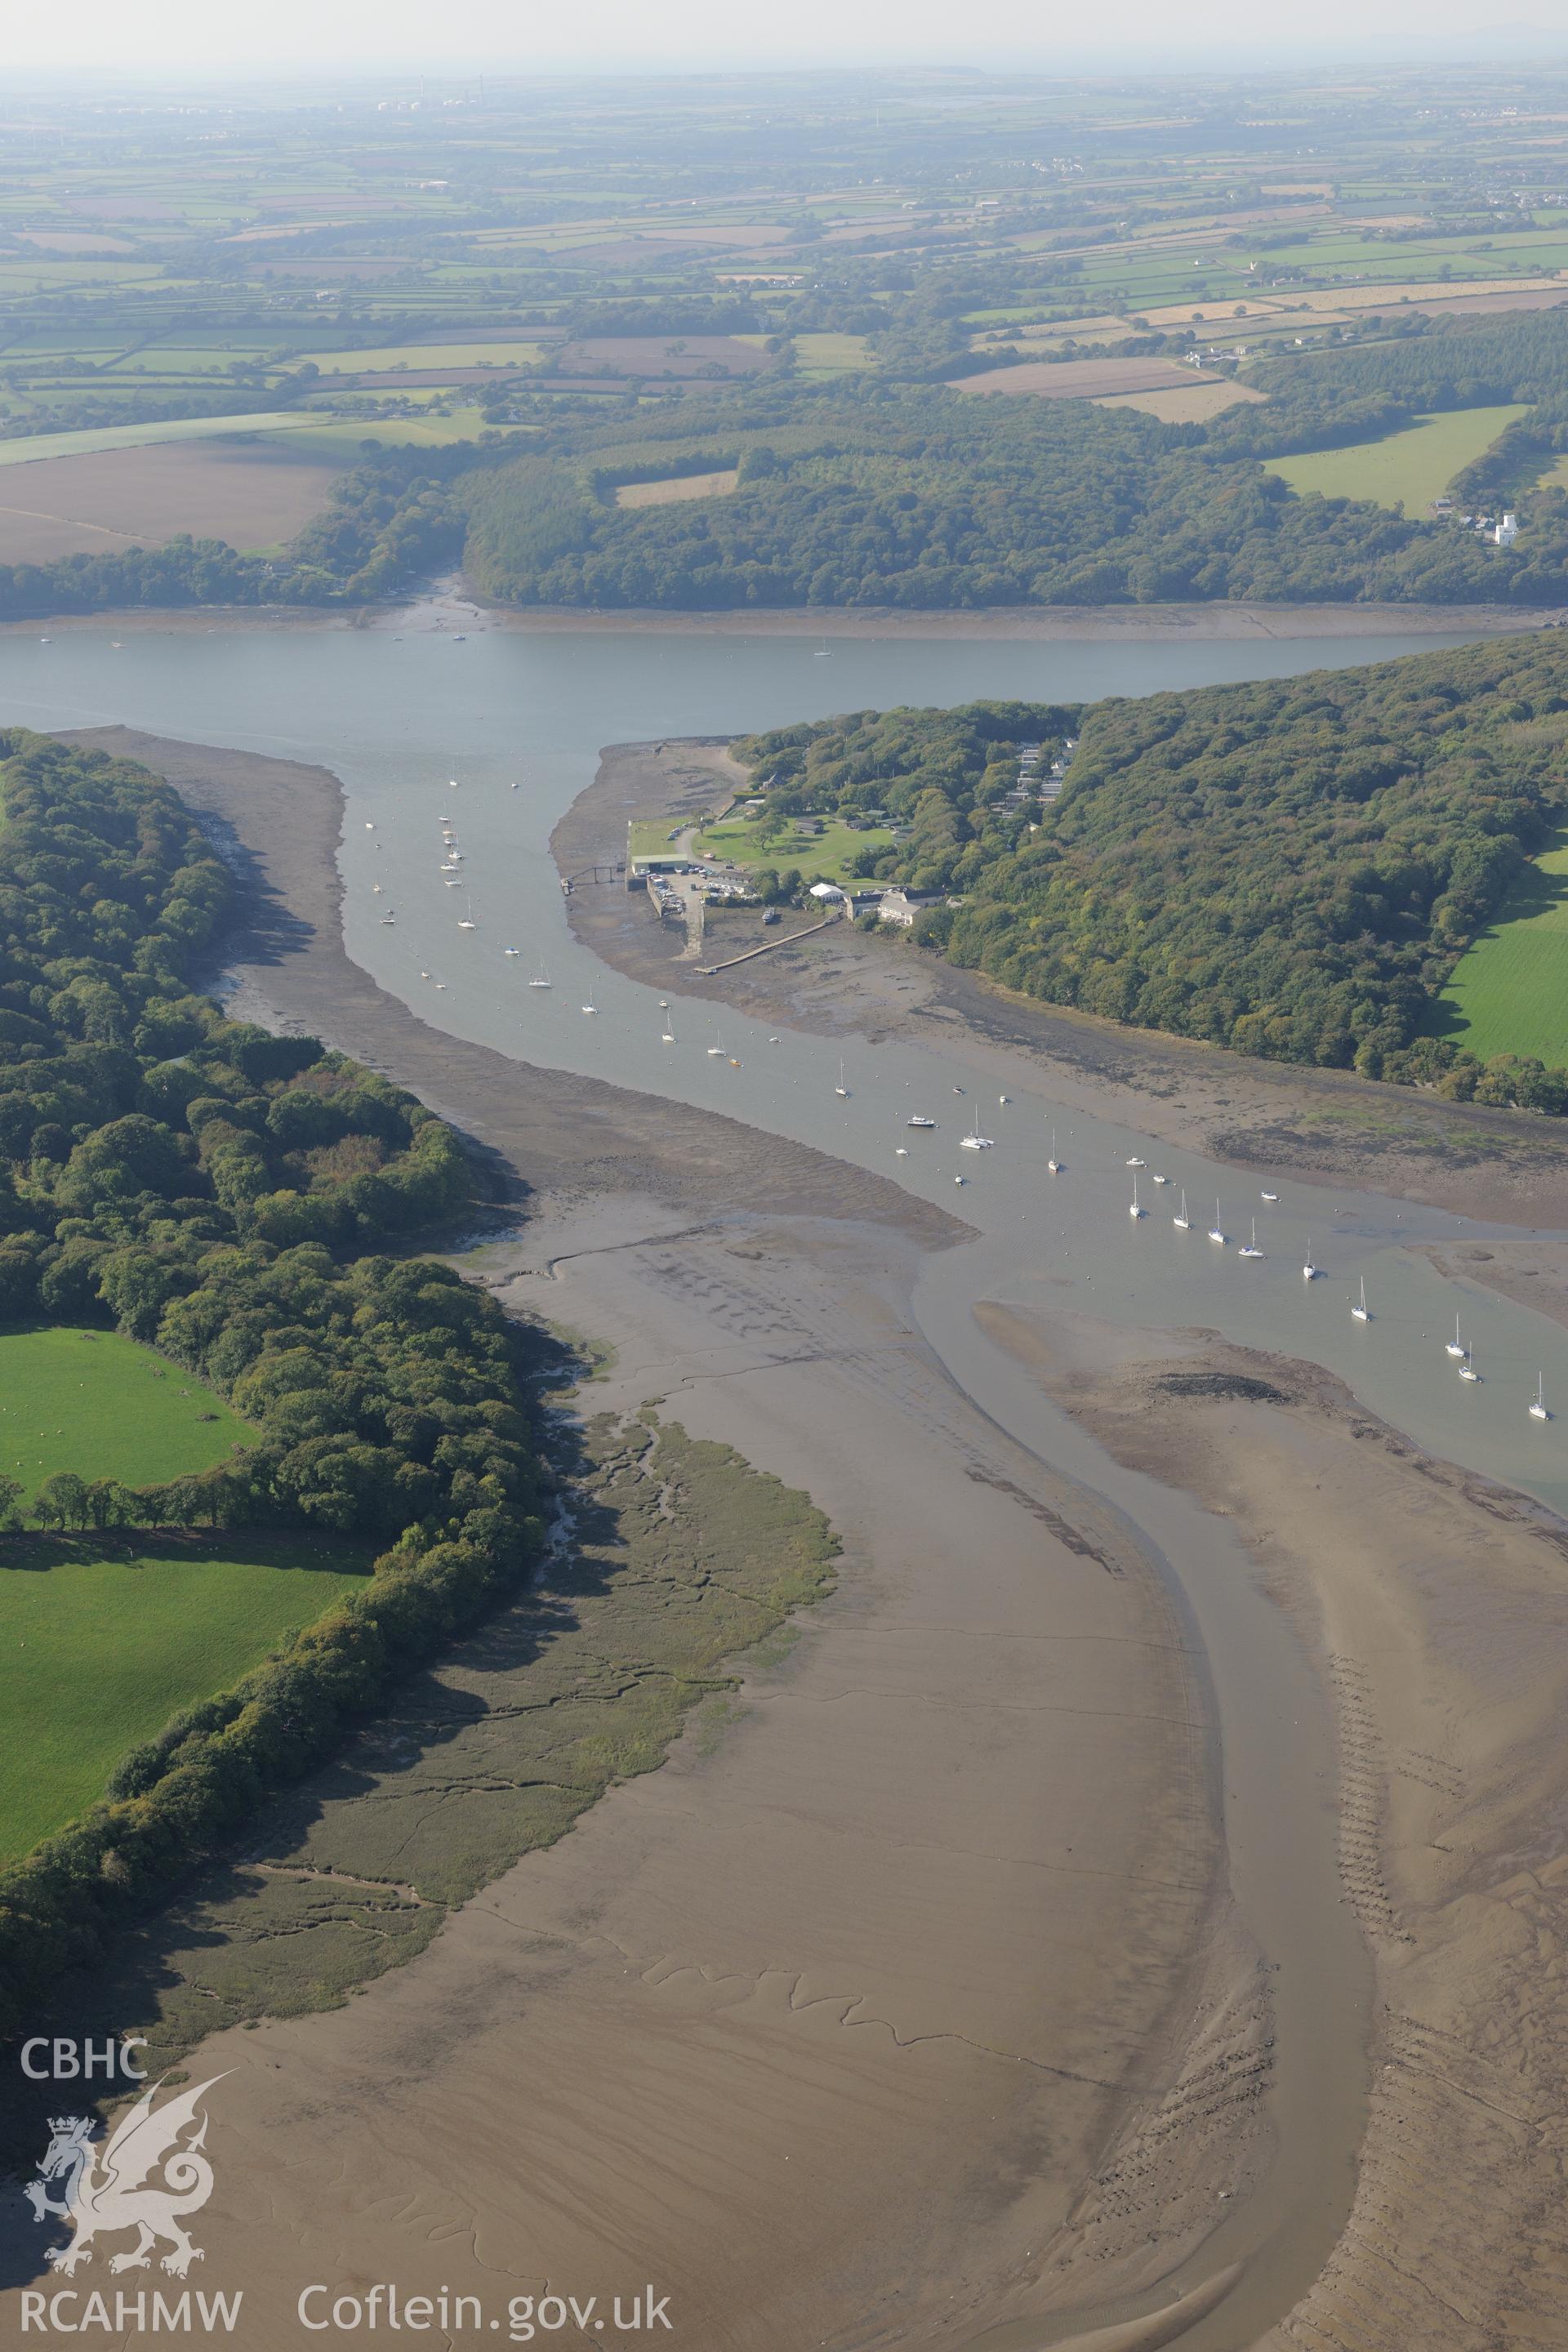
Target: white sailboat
1184 1221
466 922
1135 1211
590 1006
1216 1231
717 1047
974 1141
841 1088
543 981
1053 1163
1537 1409
1455 1346
1309 1271
1250 1249
1467 1368
1361 1313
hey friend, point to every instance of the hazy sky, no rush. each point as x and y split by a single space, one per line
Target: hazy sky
194 36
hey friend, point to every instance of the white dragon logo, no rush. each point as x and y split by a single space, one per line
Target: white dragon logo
106 2189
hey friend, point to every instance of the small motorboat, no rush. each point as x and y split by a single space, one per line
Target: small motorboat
511 951
920 1119
1136 1162
901 1151
1268 1196
1161 1180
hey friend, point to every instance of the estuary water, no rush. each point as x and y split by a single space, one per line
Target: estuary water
498 732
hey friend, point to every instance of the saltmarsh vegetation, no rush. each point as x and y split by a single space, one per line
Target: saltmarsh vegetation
684 1562
1291 869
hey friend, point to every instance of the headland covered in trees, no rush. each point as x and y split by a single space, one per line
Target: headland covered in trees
232 1197
885 488
1291 869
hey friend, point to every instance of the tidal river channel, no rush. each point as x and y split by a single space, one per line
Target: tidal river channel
519 721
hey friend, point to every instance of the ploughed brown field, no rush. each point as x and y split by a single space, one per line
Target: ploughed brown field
652 355
1078 379
251 493
681 485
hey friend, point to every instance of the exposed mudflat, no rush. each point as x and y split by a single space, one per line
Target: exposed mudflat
1325 1126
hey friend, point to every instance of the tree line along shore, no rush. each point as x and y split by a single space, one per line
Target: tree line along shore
1352 869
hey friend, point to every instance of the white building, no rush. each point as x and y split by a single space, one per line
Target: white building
1507 530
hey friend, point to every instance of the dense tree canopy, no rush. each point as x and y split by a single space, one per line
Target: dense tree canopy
221 1192
919 497
1289 869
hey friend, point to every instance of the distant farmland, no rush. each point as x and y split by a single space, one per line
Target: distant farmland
253 495
1412 467
681 485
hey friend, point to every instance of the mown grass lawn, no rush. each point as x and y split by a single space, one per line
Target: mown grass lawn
102 1639
95 1402
1413 466
1509 993
826 856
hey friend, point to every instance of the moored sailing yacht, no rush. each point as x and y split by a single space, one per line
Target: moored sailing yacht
1135 1211
1250 1249
1309 1271
1361 1313
1467 1368
1216 1231
1053 1163
1184 1221
543 981
1455 1346
974 1141
1537 1409
841 1088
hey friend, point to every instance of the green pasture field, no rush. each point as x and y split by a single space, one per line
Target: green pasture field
96 1403
340 437
90 438
824 856
1412 467
421 357
827 355
1509 993
101 1641
653 836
